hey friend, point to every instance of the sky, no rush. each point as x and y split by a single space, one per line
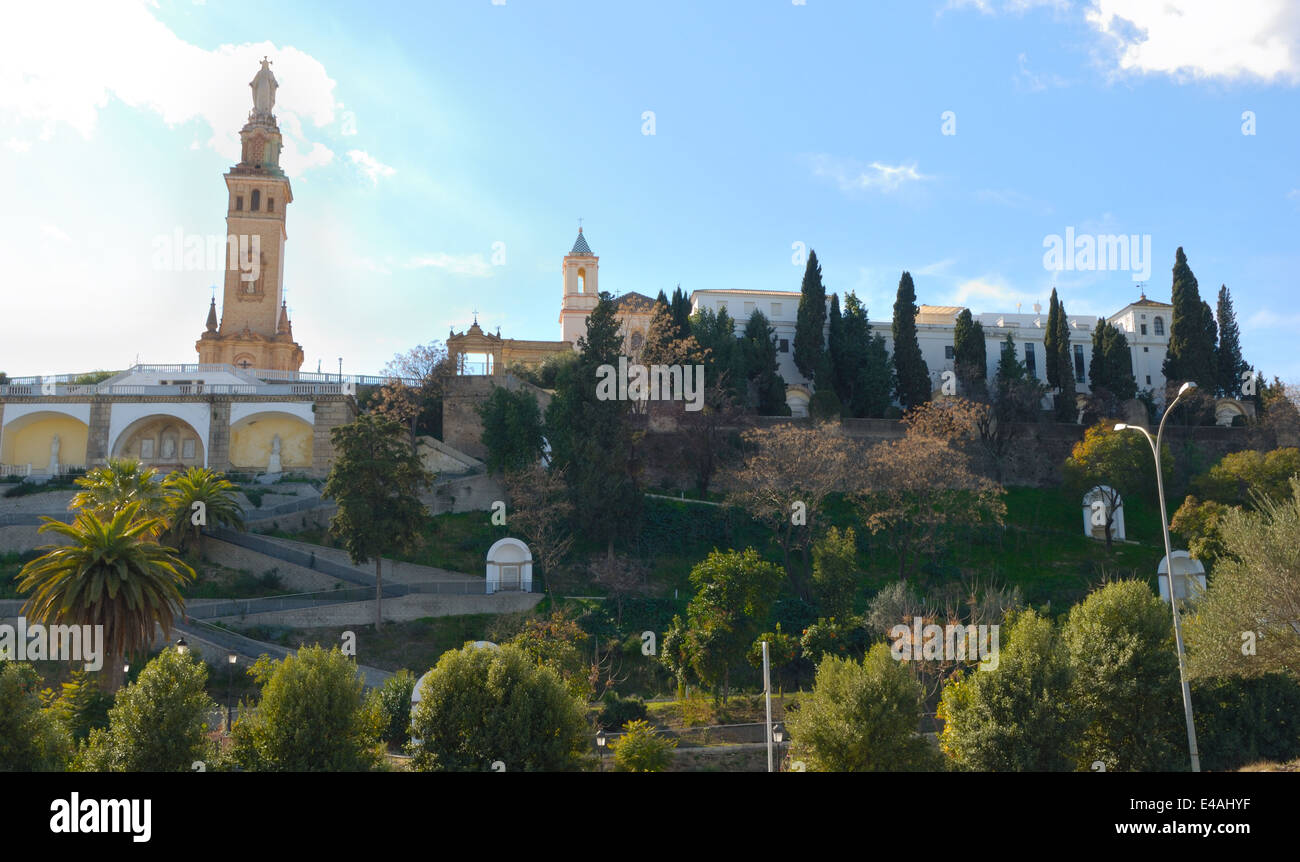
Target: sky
441 155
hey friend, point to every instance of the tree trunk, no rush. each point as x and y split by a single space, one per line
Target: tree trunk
379 592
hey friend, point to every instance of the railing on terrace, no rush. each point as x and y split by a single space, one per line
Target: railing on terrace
60 390
65 382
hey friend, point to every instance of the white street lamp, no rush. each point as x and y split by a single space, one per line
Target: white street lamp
1173 596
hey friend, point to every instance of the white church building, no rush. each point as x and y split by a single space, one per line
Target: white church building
1145 324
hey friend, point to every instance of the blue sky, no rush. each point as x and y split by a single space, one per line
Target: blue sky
420 137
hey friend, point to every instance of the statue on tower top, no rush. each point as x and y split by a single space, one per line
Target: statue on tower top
264 86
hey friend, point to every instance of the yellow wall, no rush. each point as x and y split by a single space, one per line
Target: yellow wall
30 444
250 442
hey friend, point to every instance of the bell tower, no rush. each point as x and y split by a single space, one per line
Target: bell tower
255 331
581 290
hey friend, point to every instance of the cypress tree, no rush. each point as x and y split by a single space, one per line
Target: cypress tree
912 382
1066 408
1230 361
809 339
1052 362
591 437
841 376
863 368
680 306
762 364
1191 349
970 355
1111 365
1010 368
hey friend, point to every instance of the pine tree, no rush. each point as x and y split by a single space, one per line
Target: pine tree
970 356
1111 365
809 339
1010 368
1066 408
1230 361
1051 362
1191 351
912 383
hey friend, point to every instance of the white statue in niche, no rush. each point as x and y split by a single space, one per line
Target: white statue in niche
54 456
274 465
168 447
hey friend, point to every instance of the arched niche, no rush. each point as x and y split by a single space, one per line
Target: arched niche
252 437
161 441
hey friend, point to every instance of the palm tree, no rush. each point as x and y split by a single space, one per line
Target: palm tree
112 487
197 498
113 574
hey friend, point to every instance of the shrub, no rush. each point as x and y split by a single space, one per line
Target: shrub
1240 721
617 711
393 702
641 749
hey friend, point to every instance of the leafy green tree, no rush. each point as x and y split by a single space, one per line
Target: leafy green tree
1191 356
482 705
1016 717
198 498
810 321
1242 626
376 481
81 705
392 701
1230 362
722 352
970 355
111 574
559 643
1125 684
158 723
591 438
122 481
912 375
640 748
861 717
312 716
734 595
761 364
32 739
1243 720
512 429
835 571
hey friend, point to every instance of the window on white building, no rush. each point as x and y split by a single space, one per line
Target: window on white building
776 310
784 345
1144 329
1078 362
1030 365
749 309
1160 326
949 352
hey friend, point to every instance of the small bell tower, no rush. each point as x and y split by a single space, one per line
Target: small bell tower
581 289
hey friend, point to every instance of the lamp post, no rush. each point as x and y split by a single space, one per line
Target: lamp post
778 736
181 646
600 743
231 658
1173 597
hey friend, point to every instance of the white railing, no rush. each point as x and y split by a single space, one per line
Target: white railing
63 390
23 470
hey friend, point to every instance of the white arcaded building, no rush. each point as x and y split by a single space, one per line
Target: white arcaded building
1144 322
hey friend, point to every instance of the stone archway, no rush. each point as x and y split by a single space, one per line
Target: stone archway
161 441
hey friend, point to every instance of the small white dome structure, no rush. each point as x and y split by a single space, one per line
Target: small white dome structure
509 567
1189 576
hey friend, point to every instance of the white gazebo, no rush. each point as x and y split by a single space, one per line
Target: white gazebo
1189 576
1095 504
509 567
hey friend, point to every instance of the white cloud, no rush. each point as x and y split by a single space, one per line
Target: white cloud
68 65
853 176
370 166
991 7
1197 39
18 146
474 265
1035 82
55 232
1266 319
